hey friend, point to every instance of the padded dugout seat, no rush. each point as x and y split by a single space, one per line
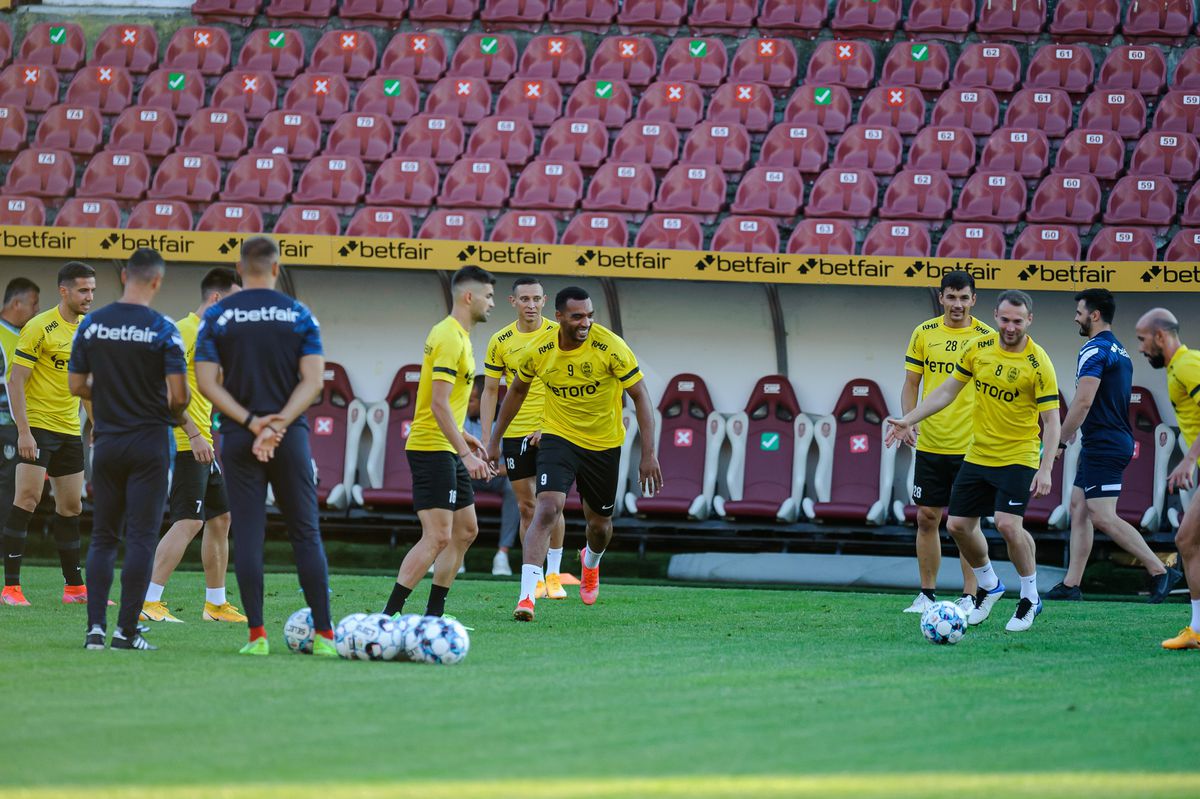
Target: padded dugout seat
1144 483
336 422
1053 510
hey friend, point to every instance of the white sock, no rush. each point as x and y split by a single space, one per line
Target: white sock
985 575
591 559
215 595
1195 625
554 560
1029 587
530 576
154 592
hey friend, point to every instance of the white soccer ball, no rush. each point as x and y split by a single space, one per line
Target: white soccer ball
437 640
944 623
344 632
376 638
405 625
298 631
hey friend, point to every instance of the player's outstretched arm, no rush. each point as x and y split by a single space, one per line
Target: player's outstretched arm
487 404
513 400
649 472
1051 428
1081 403
909 396
938 399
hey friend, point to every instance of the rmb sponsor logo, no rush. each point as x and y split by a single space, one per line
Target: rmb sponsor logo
851 267
1075 273
387 250
166 243
38 239
505 254
937 271
623 259
746 264
1172 274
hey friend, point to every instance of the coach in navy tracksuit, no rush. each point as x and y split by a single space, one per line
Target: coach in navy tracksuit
128 360
259 359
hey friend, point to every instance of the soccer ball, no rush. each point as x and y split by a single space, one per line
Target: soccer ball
403 626
298 631
343 635
437 640
376 638
944 623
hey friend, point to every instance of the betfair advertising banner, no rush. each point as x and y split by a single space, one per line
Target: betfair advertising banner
342 251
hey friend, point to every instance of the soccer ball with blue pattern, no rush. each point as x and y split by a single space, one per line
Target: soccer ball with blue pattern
944 623
376 638
298 631
404 626
437 640
343 634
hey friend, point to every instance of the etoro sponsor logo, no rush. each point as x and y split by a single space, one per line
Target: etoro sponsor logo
748 264
387 250
501 254
623 259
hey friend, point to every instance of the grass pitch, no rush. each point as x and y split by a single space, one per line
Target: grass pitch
655 691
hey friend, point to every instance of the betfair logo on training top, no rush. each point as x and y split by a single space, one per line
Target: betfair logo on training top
501 254
264 314
103 332
613 258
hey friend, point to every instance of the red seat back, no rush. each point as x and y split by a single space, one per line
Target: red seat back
1137 483
770 442
858 448
682 439
328 422
402 404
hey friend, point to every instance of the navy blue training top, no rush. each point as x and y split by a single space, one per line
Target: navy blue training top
258 336
128 350
1106 428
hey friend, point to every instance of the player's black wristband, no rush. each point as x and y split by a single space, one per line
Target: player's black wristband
249 419
1061 445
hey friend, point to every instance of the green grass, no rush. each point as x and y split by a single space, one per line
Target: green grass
657 690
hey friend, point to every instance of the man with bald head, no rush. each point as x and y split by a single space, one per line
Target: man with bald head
1158 339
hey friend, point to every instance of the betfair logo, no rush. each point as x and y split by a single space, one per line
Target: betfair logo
1173 274
38 240
1073 274
1028 272
229 245
935 272
390 250
165 243
750 264
513 254
855 267
917 266
622 259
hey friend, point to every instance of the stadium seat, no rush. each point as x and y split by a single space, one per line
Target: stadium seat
1066 199
608 102
443 13
655 144
822 237
804 147
6 44
325 94
109 89
549 185
670 232
700 61
76 129
1176 155
1191 208
115 175
855 471
134 47
725 146
441 138
652 14
514 14
227 217
1186 76
769 459
631 59
1159 20
331 180
879 149
254 93
22 211
421 56
289 134
991 197
1010 20
924 65
680 104
28 86
367 136
1026 152
1048 111
539 100
1144 483
469 99
188 177
1069 67
875 19
977 110
746 234
490 56
993 66
395 97
844 193
221 132
58 45
1184 247
596 229
918 194
37 172
593 15
849 64
236 12
936 18
308 220
768 61
475 183
88 213
692 190
160 215
336 421
405 181
525 227
722 16
300 12
1047 243
1123 244
1081 20
1178 112
1052 510
559 58
803 18
350 53
206 50
904 239
1139 69
372 12
380 223
452 226
259 180
769 191
967 240
1122 111
827 107
1141 200
13 129
180 93
151 130
389 480
949 149
749 104
899 107
506 139
1096 152
280 52
583 141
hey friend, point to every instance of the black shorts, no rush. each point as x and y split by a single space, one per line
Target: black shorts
197 489
1101 476
561 463
440 480
983 490
933 477
520 458
58 453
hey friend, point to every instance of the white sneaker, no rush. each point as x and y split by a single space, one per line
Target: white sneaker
1023 618
919 605
984 600
966 603
500 565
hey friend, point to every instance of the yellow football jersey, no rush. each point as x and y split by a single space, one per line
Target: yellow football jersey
583 386
449 358
1011 389
200 408
45 347
503 356
1183 386
933 352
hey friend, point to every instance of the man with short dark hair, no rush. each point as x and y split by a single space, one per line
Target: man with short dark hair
49 434
128 360
1100 412
21 303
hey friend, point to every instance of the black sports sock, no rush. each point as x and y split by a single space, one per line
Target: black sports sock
66 538
15 531
437 600
395 603
929 593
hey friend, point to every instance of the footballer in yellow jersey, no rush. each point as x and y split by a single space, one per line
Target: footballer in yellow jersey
586 369
1183 387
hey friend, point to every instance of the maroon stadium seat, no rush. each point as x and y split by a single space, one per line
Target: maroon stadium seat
721 145
391 480
509 140
540 100
793 17
1068 199
1176 155
1138 491
180 93
653 143
749 104
827 107
1178 112
853 488
221 132
252 92
746 234
116 175
525 227
88 213
372 12
726 16
1069 67
596 15
22 211
1026 152
380 223
6 44
609 102
491 56
770 416
402 180
1096 152
991 197
280 52
13 129
631 59
975 241
308 220
879 149
469 99
844 193
1184 247
993 66
299 12
331 180
351 53
65 53
475 183
1123 244
870 18
952 19
691 190
1047 243
977 110
822 237
205 49
1159 20
804 147
421 56
918 194
325 94
560 58
237 12
108 88
700 61
596 229
765 60
1191 208
191 178
160 215
441 138
134 47
1141 200
290 134
1139 69
1015 20
452 226
367 136
330 419
259 179
643 14
849 64
925 65
227 217
903 239
1086 19
900 107
670 232
550 185
769 191
1186 76
514 14
949 149
584 141
1118 110
1041 510
396 97
678 103
1047 110
443 13
37 172
74 128
150 130
621 187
